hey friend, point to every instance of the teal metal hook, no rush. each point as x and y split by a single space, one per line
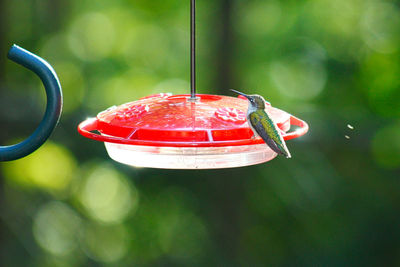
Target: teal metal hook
53 109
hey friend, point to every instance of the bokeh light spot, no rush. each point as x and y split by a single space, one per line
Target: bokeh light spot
380 26
340 17
55 228
105 243
299 77
121 89
92 36
145 44
50 168
336 25
259 18
55 48
107 196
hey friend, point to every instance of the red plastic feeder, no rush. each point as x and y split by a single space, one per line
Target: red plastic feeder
175 132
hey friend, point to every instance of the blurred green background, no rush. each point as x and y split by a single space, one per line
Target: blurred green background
332 63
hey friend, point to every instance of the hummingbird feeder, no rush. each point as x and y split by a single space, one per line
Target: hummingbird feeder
194 131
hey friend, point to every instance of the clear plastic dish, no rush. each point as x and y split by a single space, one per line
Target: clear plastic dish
190 157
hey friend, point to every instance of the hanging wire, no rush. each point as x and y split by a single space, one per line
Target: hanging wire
193 49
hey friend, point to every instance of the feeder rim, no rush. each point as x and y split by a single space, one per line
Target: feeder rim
86 127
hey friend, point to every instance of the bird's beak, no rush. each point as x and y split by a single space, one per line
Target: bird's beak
240 93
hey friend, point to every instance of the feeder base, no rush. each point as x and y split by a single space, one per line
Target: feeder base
190 157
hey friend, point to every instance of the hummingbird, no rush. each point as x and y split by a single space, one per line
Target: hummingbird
262 124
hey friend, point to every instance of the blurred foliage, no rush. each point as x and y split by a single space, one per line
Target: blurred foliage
332 63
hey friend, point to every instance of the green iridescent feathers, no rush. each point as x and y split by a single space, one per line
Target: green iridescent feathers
262 124
268 131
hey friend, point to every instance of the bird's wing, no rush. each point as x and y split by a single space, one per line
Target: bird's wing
256 120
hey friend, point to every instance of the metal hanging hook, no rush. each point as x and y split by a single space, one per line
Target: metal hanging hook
53 109
193 49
